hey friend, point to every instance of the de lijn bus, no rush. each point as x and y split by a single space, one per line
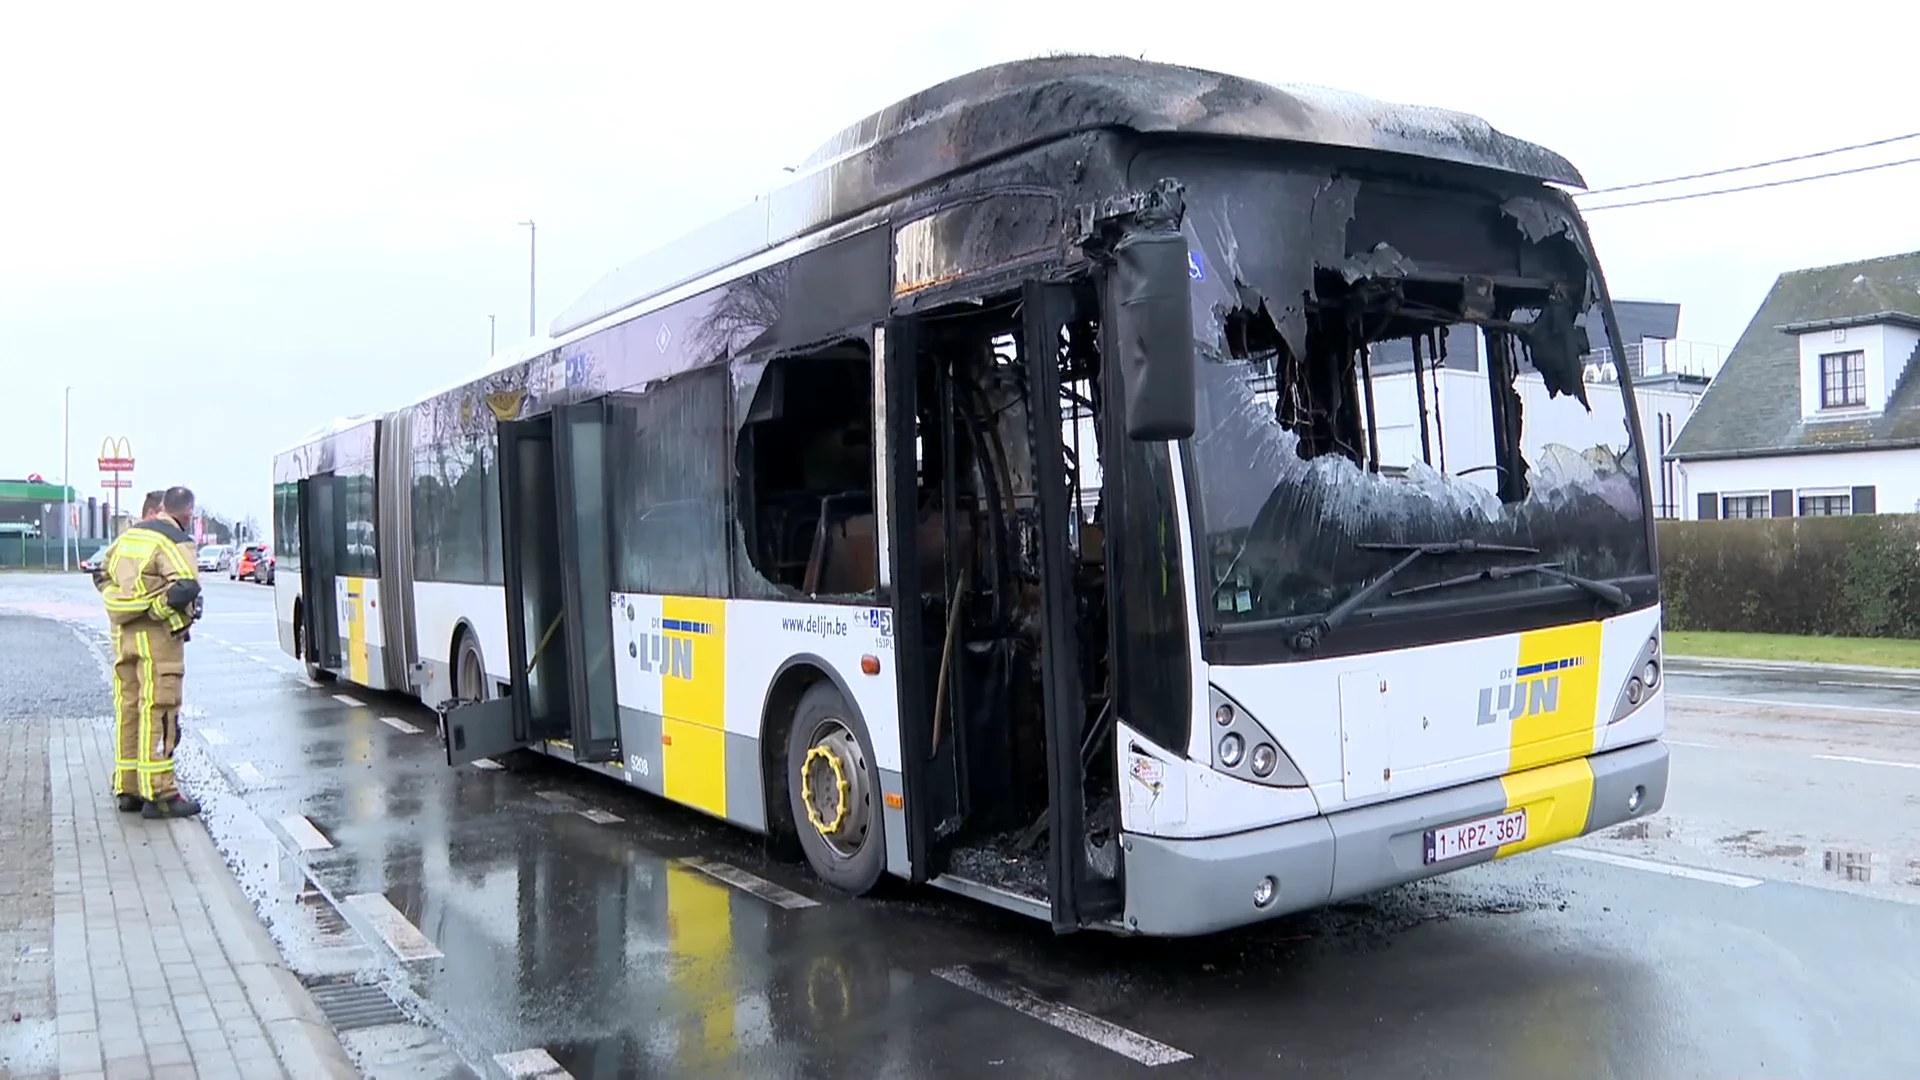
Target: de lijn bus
1136 496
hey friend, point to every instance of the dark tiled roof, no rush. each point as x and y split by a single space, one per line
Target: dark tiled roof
1752 409
1638 319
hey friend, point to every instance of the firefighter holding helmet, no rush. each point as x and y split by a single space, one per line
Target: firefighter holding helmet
152 596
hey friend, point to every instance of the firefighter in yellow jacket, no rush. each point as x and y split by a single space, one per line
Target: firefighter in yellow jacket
152 596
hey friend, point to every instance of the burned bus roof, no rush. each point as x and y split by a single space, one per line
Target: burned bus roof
1005 108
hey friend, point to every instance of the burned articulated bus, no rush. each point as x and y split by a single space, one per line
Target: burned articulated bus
1137 496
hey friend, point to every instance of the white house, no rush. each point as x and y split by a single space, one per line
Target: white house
1817 409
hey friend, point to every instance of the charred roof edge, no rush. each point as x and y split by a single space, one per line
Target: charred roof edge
1008 107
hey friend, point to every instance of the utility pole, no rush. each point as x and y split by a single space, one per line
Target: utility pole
532 233
66 477
491 347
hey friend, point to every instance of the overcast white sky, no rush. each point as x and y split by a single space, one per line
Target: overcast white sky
226 223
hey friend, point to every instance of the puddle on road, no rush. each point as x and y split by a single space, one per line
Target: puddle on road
1753 843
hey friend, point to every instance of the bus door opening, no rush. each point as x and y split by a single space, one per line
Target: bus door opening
319 569
1012 625
553 497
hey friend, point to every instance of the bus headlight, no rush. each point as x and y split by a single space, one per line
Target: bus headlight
1264 758
1245 750
1231 747
1643 681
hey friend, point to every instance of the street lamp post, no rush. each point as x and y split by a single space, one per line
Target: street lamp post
532 233
66 477
491 347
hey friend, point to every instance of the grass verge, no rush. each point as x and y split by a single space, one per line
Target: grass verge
1870 652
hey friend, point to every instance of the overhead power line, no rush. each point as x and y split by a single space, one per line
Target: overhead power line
1751 187
1755 165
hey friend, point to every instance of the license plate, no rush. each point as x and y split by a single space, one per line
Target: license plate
1478 835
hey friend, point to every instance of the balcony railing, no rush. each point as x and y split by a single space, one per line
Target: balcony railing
1653 357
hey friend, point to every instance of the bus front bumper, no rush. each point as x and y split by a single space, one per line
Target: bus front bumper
1181 888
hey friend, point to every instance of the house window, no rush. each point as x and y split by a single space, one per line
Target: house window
1843 379
1826 505
1745 506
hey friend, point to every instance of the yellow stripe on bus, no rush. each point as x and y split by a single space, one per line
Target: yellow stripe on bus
356 590
693 699
694 668
1556 799
1556 686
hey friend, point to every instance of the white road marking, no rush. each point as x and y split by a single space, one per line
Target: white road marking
1129 1044
1713 877
241 649
600 817
405 939
558 798
249 775
750 883
531 1065
213 736
1870 685
301 678
1771 704
486 763
304 833
399 725
1869 761
349 700
1695 745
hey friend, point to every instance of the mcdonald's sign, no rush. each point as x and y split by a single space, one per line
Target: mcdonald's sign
116 454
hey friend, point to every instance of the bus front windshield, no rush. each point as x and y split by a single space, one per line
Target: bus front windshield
1384 365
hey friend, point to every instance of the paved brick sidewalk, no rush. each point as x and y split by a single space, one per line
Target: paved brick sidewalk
132 952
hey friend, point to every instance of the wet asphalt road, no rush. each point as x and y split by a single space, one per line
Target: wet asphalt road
1766 923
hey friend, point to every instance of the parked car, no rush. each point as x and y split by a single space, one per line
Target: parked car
214 558
263 570
94 561
247 566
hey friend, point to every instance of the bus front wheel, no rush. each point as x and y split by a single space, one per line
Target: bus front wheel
834 790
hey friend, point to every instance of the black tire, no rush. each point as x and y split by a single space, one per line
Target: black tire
850 855
469 674
314 671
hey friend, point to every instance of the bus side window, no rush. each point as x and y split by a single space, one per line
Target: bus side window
805 462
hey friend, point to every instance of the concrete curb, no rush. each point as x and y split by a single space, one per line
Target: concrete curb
303 1040
1793 665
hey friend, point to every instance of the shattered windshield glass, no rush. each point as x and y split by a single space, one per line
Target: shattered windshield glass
1383 363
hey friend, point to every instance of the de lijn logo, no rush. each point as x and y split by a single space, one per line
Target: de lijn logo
1528 690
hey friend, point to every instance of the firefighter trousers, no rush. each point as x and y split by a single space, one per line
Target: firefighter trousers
148 663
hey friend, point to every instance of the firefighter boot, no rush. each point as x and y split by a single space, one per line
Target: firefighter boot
173 805
128 802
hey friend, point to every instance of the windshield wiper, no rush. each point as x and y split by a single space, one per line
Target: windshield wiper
1612 594
1308 638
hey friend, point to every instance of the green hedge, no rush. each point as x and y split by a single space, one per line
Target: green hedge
1838 576
21 553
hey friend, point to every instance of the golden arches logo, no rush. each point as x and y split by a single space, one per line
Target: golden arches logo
116 454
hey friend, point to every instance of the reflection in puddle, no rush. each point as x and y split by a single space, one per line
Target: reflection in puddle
1644 829
1849 865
